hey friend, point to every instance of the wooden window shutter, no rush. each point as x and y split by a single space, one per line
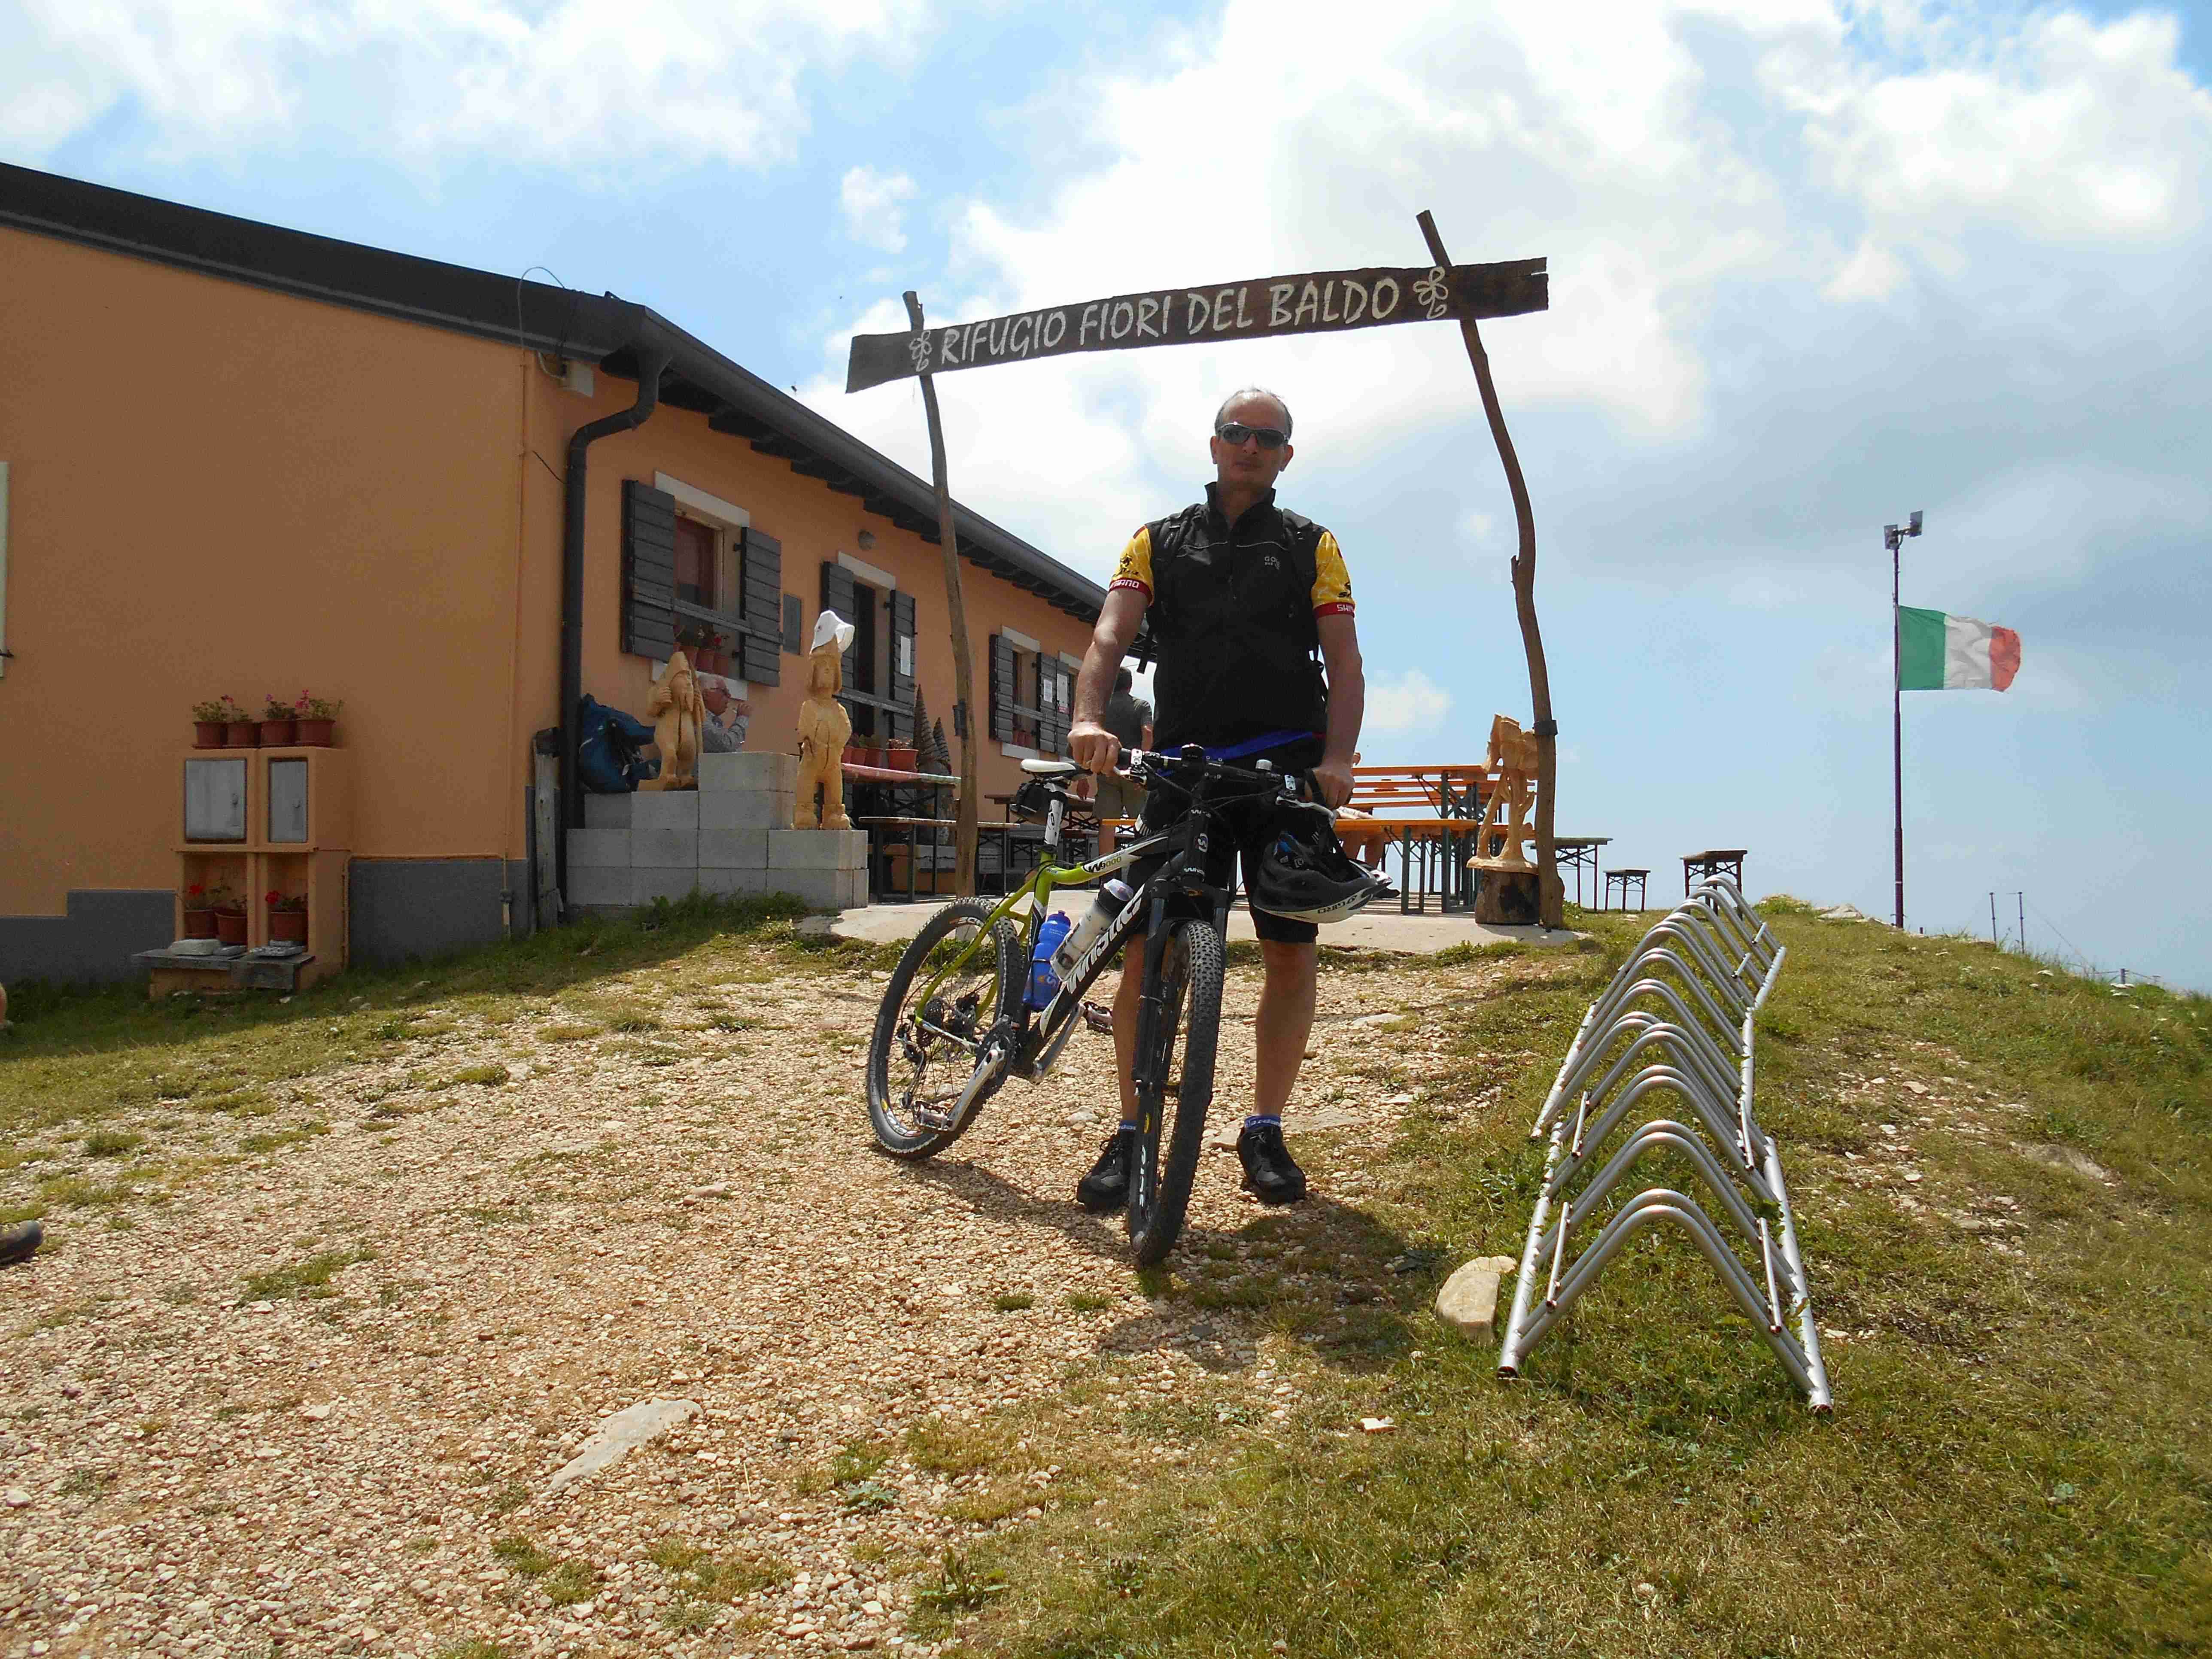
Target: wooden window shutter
648 567
761 601
903 654
837 595
1053 718
1003 688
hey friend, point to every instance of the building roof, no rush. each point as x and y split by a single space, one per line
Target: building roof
604 330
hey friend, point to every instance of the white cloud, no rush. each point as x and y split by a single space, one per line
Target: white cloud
1407 706
607 87
870 202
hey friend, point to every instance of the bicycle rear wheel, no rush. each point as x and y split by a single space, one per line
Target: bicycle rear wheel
925 1047
1174 1068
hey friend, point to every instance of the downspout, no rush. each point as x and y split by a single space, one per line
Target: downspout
652 360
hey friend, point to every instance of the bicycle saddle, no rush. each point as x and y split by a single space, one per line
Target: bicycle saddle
1050 769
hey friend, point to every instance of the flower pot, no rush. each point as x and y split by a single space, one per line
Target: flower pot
900 756
315 734
277 734
290 925
855 754
230 926
242 734
199 924
207 735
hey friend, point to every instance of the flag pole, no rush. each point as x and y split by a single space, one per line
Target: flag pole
963 710
1897 716
1894 537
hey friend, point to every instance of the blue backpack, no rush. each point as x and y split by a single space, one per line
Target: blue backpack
607 742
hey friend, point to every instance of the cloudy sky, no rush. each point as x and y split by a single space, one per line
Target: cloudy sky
1813 265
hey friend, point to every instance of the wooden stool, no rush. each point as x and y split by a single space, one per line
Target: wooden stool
1622 879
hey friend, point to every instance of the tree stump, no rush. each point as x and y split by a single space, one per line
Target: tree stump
1507 898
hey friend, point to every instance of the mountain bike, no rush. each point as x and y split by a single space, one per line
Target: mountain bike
957 1019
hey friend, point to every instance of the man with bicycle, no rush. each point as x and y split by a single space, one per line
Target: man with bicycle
1241 597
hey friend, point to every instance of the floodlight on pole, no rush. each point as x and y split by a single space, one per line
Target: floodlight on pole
1894 537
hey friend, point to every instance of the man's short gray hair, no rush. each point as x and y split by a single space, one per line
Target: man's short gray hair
1239 396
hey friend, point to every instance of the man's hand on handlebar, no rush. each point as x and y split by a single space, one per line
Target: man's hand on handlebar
1332 782
1092 747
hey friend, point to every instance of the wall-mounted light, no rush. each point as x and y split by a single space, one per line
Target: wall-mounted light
867 540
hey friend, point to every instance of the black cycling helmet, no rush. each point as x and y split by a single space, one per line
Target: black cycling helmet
1303 873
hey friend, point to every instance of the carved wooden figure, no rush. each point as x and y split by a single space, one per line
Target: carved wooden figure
824 728
677 711
1513 756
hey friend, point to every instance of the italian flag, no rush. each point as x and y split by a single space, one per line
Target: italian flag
1940 653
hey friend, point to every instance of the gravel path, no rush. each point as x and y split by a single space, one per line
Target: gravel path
207 1451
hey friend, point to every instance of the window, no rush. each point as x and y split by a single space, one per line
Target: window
1032 694
697 578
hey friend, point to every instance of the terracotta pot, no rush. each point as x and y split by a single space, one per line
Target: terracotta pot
207 735
290 925
900 756
199 924
316 734
855 754
230 926
277 734
243 734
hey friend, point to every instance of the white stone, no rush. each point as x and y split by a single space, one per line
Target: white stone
733 850
607 811
594 885
723 882
664 850
817 850
647 885
18 1499
1468 1301
746 809
672 809
618 1436
603 849
749 768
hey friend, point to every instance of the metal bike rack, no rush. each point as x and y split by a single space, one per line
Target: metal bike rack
1676 1019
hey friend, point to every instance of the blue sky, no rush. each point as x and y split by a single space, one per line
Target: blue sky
1814 266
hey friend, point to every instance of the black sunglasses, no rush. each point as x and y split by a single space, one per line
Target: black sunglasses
1234 433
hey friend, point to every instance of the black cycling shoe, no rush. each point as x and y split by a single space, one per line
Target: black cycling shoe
1271 1174
19 1242
1106 1186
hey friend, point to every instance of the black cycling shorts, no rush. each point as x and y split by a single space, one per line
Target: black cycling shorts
1165 808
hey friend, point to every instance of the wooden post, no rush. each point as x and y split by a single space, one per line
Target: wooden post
964 677
1551 902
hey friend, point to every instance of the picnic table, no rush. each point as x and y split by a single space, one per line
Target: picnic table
1713 861
1579 852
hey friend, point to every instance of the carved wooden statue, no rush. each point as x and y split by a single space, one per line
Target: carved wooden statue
1513 757
824 727
677 711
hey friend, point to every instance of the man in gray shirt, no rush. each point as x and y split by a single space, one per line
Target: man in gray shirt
1129 718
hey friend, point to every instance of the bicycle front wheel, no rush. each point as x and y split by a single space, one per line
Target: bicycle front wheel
932 1023
1176 1040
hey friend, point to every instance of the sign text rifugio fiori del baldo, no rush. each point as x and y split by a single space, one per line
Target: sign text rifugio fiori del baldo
1316 303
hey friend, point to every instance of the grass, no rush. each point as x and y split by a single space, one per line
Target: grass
77 1056
2020 1460
1013 1301
310 1278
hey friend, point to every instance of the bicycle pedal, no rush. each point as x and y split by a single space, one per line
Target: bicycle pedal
1100 1020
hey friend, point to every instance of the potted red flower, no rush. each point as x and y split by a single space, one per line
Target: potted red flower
900 756
288 917
199 910
208 720
278 730
316 719
230 915
240 729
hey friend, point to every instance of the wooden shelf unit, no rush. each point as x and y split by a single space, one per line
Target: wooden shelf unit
284 823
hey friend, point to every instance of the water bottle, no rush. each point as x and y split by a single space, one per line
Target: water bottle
1044 984
1112 897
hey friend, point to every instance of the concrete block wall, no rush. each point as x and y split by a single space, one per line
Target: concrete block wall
732 835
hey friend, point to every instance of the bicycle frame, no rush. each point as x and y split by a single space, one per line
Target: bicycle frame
1038 1035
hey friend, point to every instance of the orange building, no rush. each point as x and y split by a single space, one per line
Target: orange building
240 459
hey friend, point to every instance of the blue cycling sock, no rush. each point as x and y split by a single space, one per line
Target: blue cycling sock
1264 1121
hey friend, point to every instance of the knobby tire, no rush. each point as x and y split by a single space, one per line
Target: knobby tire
1187 1030
894 1133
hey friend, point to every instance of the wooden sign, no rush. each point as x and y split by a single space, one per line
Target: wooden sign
1317 302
